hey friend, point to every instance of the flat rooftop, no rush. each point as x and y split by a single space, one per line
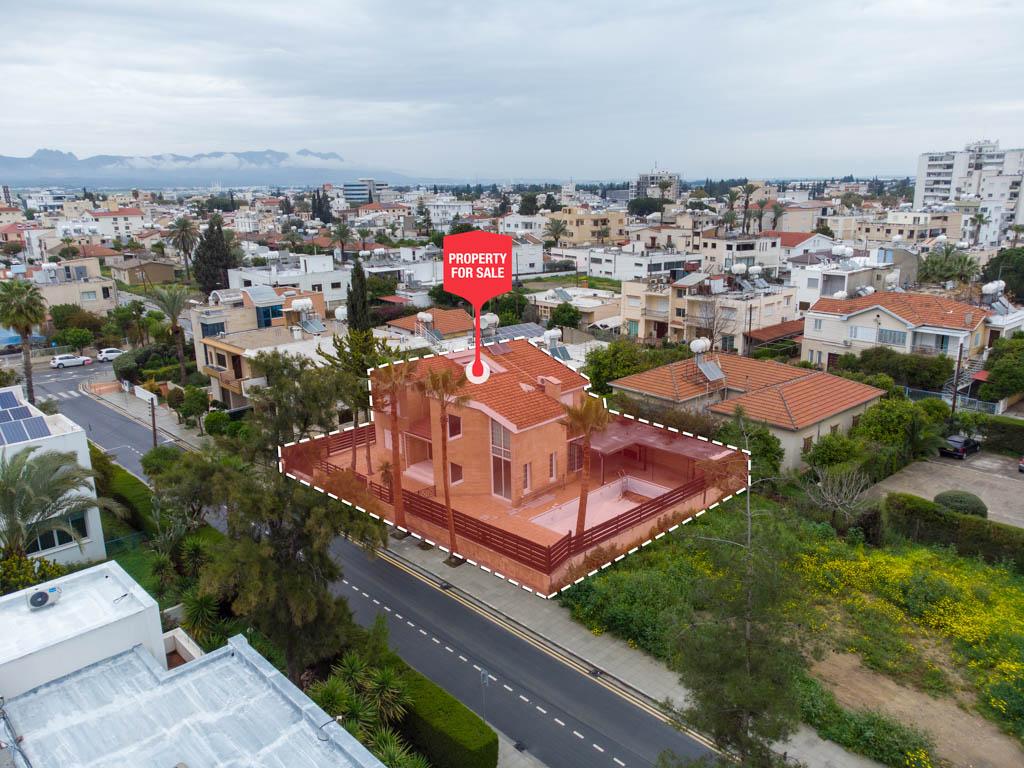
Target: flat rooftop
89 599
227 708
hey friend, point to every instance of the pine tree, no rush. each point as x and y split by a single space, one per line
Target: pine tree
358 304
213 258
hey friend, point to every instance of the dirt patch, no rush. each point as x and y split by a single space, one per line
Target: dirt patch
963 738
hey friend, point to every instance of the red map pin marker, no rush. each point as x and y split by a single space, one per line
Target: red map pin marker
477 267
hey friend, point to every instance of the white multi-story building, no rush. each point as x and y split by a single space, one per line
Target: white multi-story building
516 224
631 262
24 427
47 200
309 273
120 224
649 185
981 171
444 208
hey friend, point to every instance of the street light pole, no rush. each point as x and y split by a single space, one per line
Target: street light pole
152 417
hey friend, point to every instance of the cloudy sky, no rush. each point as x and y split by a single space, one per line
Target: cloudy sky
583 89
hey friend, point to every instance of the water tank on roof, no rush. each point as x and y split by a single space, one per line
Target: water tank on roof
552 336
302 305
897 238
739 269
341 313
941 238
892 278
867 290
962 244
424 317
837 250
489 320
839 295
364 254
380 251
847 251
700 345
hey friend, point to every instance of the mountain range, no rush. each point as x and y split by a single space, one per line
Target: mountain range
54 167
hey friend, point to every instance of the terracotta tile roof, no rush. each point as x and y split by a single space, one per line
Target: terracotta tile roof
915 308
512 391
446 321
118 212
802 402
395 299
683 381
788 239
785 330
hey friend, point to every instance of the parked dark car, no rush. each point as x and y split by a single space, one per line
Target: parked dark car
1020 464
959 447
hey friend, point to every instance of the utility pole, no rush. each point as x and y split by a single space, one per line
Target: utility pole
152 417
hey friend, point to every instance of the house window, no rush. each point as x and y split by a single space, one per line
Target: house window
266 315
728 343
527 477
895 338
211 329
575 456
455 473
553 466
88 295
834 429
501 460
862 332
335 286
106 292
52 539
318 287
454 426
812 282
808 444
817 323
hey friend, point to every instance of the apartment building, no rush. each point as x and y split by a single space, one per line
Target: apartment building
24 427
76 281
315 274
220 326
650 185
143 271
804 216
722 308
918 323
630 262
594 305
363 191
443 209
843 270
516 224
92 679
910 226
798 406
10 214
769 250
119 224
585 226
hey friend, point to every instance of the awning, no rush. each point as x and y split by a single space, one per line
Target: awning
624 433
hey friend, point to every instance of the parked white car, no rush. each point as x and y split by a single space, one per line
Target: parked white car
67 361
109 353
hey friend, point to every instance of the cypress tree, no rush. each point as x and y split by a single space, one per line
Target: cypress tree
358 303
212 258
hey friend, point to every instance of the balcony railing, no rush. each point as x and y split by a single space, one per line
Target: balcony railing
931 349
226 377
655 314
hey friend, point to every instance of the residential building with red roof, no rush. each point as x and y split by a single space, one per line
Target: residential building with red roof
919 323
435 322
799 406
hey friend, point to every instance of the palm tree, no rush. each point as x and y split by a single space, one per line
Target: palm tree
1017 230
979 220
555 230
729 219
68 249
363 233
172 301
663 185
21 309
341 234
948 263
584 420
185 237
602 234
392 380
445 387
762 209
748 190
40 494
778 211
732 197
292 237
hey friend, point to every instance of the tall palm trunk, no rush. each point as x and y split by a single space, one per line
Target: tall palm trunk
396 463
355 425
449 513
369 456
188 272
581 514
179 343
26 364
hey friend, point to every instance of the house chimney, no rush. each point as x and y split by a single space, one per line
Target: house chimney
552 386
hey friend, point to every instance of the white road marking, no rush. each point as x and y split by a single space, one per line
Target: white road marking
410 623
436 640
450 650
599 749
477 668
617 761
376 601
577 734
524 698
542 710
365 595
492 677
462 658
422 632
507 688
560 722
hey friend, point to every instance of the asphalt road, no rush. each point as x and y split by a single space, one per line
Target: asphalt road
124 439
562 716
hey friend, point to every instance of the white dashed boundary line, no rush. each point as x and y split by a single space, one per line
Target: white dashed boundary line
484 568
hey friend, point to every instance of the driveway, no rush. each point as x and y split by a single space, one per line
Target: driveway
990 476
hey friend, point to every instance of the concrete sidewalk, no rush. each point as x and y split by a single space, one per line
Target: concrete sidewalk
547 621
139 410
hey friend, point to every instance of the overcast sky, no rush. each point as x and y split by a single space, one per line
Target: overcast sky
583 89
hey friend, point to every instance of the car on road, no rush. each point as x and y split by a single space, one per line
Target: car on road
1020 464
109 353
67 361
959 446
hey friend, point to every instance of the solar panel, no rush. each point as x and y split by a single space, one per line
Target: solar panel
526 330
36 427
14 432
710 370
561 353
5 416
8 400
563 294
21 412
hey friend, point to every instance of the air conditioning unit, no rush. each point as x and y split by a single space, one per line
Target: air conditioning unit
41 598
847 342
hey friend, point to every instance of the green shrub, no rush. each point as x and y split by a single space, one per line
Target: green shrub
925 522
445 730
216 423
136 496
963 502
1004 433
868 733
126 366
19 572
831 450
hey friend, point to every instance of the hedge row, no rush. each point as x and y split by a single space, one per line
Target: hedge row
926 522
1005 433
445 730
136 496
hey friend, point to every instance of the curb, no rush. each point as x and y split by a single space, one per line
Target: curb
84 389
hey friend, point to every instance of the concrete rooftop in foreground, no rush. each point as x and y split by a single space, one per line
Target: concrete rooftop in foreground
229 708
